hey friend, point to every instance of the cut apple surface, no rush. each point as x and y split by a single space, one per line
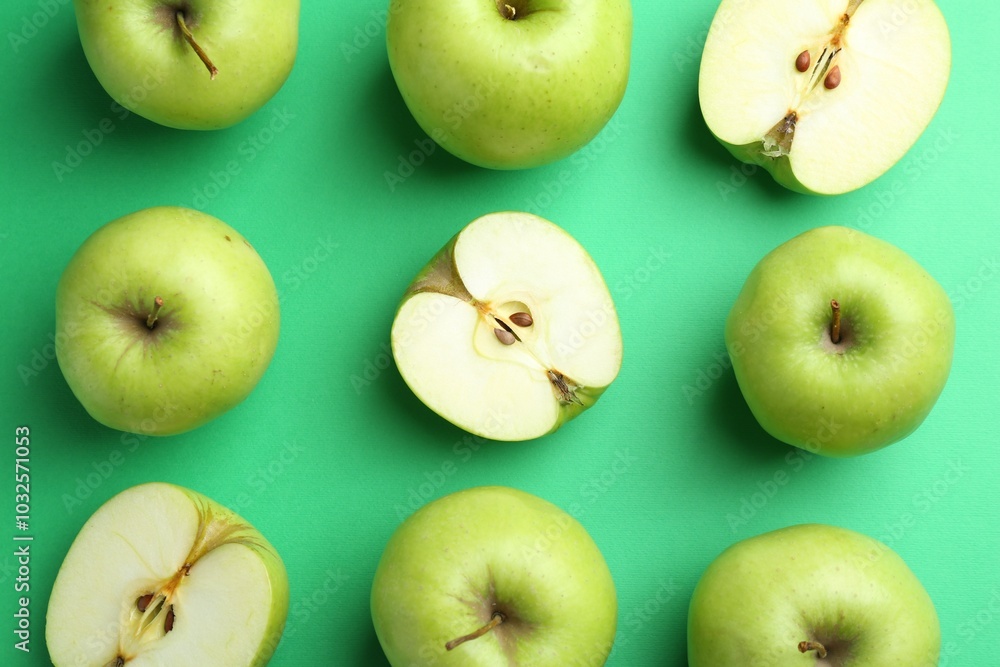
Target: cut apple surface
510 330
161 575
825 94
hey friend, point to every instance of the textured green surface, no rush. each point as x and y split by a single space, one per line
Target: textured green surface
332 184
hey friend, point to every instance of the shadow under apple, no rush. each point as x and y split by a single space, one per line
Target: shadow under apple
731 414
700 143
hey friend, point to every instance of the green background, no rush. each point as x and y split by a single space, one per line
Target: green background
332 449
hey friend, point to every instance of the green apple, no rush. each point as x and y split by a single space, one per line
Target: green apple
163 576
165 319
491 577
811 595
841 343
826 95
510 331
190 64
509 84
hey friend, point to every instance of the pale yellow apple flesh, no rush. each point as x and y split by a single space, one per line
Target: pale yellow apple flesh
458 344
160 575
827 94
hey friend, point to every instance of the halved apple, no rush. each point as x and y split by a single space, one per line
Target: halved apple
827 95
510 331
161 575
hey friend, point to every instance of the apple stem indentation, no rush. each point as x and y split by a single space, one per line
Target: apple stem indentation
835 324
212 69
157 304
507 11
805 647
496 619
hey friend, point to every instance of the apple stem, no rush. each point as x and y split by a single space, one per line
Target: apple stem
507 11
835 326
495 620
157 304
805 647
212 69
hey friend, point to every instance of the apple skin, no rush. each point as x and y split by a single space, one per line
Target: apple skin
223 528
457 560
214 336
510 94
812 582
144 63
876 387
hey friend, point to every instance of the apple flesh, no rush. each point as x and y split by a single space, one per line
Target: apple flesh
190 64
510 84
161 575
827 95
493 576
165 319
510 331
839 597
870 385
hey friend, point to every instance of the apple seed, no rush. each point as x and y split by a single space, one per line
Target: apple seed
832 79
168 622
504 336
143 601
522 319
802 62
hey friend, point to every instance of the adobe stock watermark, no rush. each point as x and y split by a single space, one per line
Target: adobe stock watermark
364 35
432 481
915 166
970 629
95 136
640 615
974 284
32 23
101 470
454 117
641 275
222 176
592 490
302 271
794 461
921 504
265 475
752 329
579 163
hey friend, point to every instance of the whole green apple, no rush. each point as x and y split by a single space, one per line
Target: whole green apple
826 96
165 319
161 575
811 595
490 577
841 343
509 84
190 64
